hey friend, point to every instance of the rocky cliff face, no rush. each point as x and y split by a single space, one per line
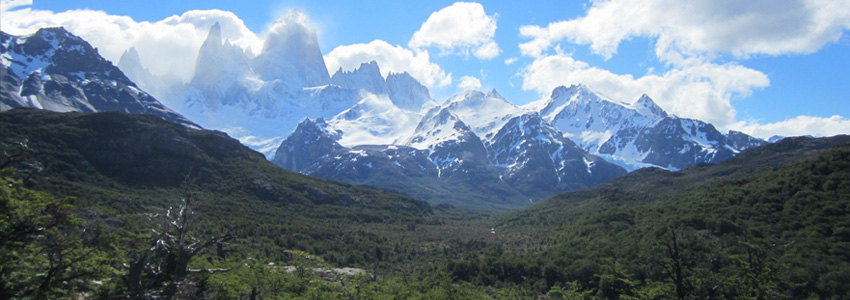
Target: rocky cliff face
407 92
308 145
367 78
291 54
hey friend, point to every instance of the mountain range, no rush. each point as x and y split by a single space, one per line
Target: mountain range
361 127
87 193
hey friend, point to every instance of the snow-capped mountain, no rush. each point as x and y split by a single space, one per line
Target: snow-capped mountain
310 142
445 160
538 159
367 77
573 139
219 69
260 100
637 134
375 120
402 89
453 171
55 70
360 127
486 114
291 54
389 109
590 119
740 140
451 145
407 92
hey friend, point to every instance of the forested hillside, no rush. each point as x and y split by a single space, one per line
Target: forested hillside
118 206
771 223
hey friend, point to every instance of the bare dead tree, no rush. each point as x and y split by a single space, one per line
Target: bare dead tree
14 152
17 154
161 270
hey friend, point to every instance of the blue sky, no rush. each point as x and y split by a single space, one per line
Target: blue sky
763 67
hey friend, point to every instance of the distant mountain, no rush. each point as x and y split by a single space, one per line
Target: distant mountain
565 142
743 141
638 134
453 172
309 143
452 146
55 70
367 78
291 53
538 160
404 90
485 113
444 160
260 100
407 92
473 140
388 111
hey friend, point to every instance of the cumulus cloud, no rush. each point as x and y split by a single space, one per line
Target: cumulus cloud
169 44
689 37
458 29
701 91
469 82
511 60
683 29
11 4
800 125
395 59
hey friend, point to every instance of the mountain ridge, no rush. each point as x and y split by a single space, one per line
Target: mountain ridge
636 134
55 70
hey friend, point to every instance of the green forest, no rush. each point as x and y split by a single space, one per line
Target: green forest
117 206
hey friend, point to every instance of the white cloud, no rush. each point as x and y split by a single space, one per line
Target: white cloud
511 60
458 29
232 27
469 82
684 29
700 91
163 45
395 59
487 51
797 126
11 4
